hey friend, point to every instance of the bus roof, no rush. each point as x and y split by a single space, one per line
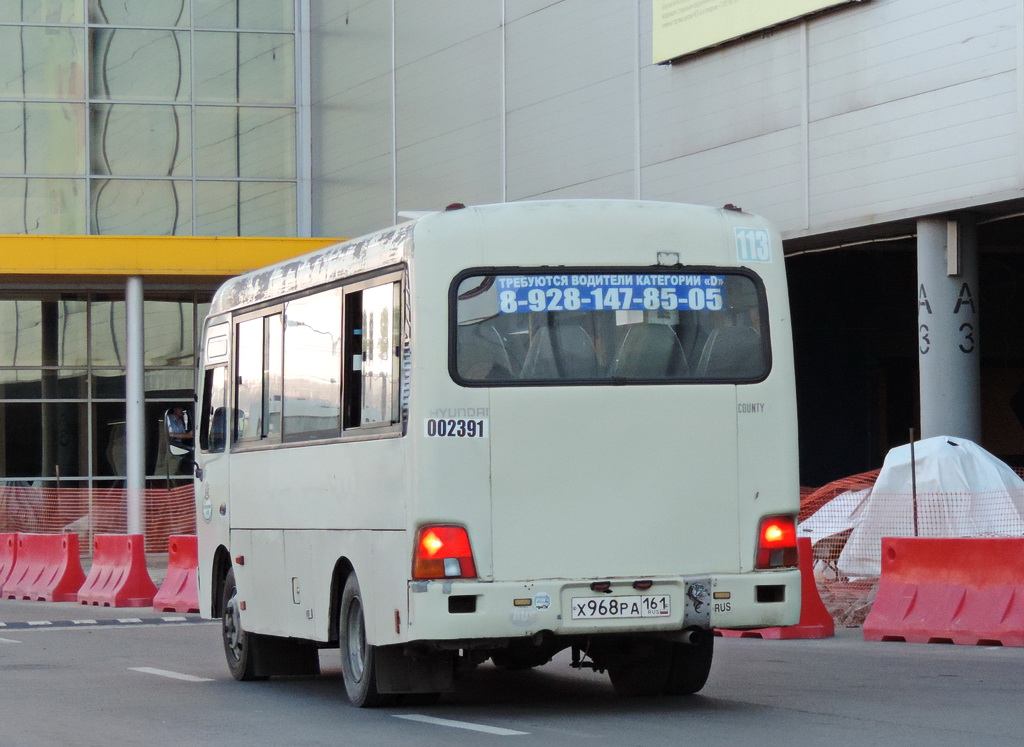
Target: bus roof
323 266
393 245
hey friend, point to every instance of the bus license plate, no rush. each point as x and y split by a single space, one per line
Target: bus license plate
599 608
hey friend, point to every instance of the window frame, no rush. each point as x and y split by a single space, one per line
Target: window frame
349 287
266 434
207 419
353 400
325 433
496 271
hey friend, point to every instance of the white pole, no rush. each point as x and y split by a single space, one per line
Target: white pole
948 340
135 417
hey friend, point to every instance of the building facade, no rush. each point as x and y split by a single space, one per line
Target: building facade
146 119
874 134
156 118
884 137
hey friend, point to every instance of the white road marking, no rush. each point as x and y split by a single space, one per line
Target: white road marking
171 675
63 625
460 725
40 622
8 640
85 622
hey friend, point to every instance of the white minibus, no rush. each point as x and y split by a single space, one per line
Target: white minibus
500 432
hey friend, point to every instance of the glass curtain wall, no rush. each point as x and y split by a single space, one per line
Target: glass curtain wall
148 117
62 385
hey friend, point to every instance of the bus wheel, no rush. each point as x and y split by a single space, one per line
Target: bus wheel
239 646
357 656
642 669
691 664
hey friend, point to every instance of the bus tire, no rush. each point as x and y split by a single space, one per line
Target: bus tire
691 664
239 645
358 658
644 669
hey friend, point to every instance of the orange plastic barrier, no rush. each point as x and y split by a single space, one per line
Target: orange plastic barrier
118 577
815 619
179 592
968 591
47 569
8 554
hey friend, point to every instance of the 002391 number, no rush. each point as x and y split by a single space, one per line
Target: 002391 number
455 428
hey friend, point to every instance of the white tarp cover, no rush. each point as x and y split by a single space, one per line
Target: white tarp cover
834 517
962 491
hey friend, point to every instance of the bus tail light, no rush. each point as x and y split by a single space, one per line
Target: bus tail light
776 543
443 552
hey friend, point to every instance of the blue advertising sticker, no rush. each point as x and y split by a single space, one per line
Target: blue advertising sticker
518 294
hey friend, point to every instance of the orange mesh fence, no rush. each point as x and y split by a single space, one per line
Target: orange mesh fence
90 511
848 597
811 499
847 585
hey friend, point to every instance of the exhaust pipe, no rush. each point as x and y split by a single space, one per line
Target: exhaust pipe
694 636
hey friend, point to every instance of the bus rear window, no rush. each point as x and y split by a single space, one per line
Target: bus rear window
608 327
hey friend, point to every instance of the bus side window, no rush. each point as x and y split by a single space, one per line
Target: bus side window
373 328
352 384
249 386
260 360
213 423
312 366
273 373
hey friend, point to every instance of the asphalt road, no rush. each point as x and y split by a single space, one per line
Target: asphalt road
71 674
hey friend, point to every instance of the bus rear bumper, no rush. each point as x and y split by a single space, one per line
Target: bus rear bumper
468 610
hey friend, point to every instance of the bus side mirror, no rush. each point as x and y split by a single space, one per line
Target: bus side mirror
180 435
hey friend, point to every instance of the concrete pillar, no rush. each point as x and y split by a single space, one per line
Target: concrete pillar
948 344
135 407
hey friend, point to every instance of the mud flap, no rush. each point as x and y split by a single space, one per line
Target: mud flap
276 656
398 672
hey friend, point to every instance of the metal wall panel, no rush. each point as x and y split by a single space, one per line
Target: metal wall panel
614 187
448 96
915 154
721 99
351 44
571 139
886 50
354 126
351 117
355 200
570 96
426 28
762 174
912 108
568 46
516 9
880 110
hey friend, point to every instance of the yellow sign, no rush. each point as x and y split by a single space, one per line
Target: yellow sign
682 27
146 255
